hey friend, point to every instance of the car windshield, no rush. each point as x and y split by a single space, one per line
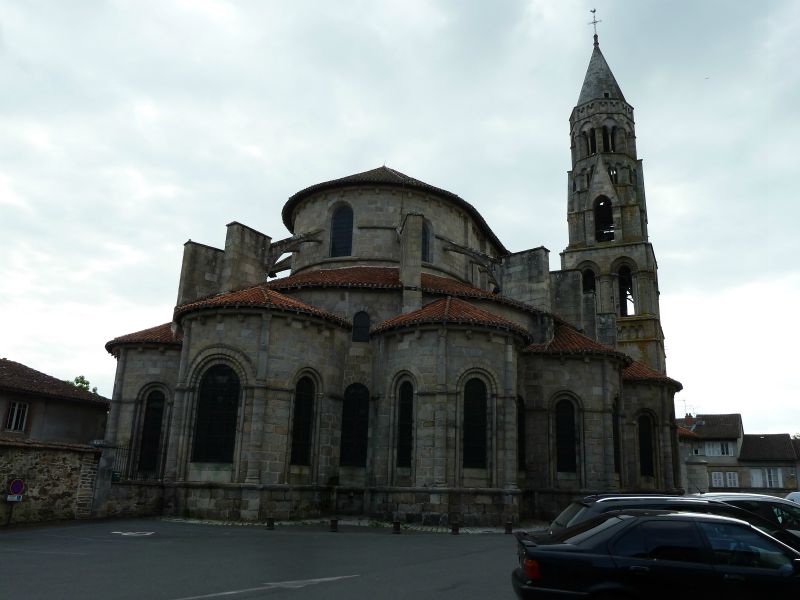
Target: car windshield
569 514
583 531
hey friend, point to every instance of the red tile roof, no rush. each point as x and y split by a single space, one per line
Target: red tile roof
258 296
451 310
638 371
687 433
16 377
384 176
568 340
161 334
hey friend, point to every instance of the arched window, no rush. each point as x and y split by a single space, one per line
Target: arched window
342 231
592 142
584 145
361 327
612 174
589 176
475 423
405 424
302 422
627 306
606 140
521 449
355 426
215 426
646 458
613 140
426 243
589 281
150 442
603 220
566 457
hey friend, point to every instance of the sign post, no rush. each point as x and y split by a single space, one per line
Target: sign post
15 489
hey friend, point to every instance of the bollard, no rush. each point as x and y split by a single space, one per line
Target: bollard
454 528
270 523
508 526
395 526
334 524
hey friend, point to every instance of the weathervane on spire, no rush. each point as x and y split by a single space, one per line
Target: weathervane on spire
594 22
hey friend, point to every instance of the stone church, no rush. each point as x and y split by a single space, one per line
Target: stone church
393 358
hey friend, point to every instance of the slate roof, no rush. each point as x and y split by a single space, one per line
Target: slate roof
638 371
385 176
161 334
768 446
599 79
451 310
714 427
16 377
569 341
258 296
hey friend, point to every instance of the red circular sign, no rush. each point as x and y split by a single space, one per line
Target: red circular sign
16 487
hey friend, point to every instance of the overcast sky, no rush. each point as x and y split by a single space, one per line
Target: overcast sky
128 127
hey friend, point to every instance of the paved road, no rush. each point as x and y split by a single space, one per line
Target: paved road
165 560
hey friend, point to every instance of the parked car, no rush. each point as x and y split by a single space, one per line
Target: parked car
783 513
793 496
655 555
585 508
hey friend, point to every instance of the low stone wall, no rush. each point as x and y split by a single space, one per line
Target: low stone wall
59 481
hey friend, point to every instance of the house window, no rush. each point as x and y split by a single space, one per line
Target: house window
361 327
215 426
773 477
355 426
719 448
426 243
646 463
717 479
732 479
405 424
302 422
603 220
342 231
475 425
566 457
151 432
17 416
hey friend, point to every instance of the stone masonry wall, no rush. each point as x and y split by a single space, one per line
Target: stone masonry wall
59 481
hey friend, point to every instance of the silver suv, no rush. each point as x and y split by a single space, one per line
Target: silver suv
784 514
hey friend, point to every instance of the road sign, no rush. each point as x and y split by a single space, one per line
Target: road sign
14 498
16 487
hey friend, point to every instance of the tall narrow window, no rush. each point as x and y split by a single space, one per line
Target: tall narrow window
302 422
521 450
603 220
615 433
606 140
612 174
215 427
475 425
361 327
342 231
646 463
613 140
627 305
355 426
566 457
150 443
405 424
592 142
584 145
426 243
589 281
17 416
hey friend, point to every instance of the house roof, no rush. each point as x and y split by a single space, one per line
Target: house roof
599 79
451 310
714 427
569 341
386 177
687 433
16 377
638 371
768 446
161 334
257 296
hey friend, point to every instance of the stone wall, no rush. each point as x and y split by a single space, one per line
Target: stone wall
59 480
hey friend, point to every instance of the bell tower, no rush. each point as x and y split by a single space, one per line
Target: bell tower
607 217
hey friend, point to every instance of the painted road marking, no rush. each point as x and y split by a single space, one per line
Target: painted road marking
134 533
300 583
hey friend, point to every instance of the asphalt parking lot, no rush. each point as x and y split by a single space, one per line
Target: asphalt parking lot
176 560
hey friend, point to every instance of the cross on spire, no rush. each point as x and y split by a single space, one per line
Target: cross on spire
594 23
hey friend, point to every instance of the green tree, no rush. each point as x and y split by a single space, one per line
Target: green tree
83 383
